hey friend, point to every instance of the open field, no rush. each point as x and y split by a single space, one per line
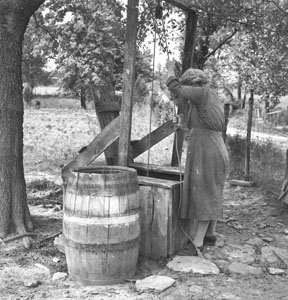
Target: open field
53 136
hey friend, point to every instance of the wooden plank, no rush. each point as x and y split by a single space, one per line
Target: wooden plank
175 232
190 38
163 183
286 165
146 210
105 138
191 26
182 4
161 235
160 221
241 182
107 107
128 82
152 139
158 171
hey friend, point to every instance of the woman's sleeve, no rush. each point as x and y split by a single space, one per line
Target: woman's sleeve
194 94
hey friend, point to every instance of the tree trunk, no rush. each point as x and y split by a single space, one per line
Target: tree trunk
243 103
239 90
83 98
248 137
14 212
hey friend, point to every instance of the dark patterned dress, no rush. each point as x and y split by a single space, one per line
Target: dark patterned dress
207 158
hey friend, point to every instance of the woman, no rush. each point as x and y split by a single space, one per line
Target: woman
207 158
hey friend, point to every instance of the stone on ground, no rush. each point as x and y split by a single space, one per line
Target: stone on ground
59 276
273 254
31 283
243 269
275 271
228 296
282 254
244 254
193 264
154 283
255 242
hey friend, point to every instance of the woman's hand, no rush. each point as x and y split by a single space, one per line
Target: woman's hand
170 66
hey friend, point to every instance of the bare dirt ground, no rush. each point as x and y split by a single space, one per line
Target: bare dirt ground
251 252
253 233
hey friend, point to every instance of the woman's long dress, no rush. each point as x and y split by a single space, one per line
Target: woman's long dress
207 158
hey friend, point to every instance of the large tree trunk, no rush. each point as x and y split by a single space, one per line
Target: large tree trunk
14 212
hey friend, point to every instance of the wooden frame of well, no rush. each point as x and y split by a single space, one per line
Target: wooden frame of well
161 232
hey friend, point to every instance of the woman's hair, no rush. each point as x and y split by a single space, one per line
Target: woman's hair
194 76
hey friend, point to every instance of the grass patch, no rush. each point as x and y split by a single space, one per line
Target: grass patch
267 162
54 134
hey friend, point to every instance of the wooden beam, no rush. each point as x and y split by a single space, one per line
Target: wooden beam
107 107
158 171
191 26
128 83
182 4
101 142
189 46
152 139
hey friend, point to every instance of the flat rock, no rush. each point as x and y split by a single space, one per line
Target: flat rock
193 264
282 254
228 296
273 254
59 276
154 283
244 254
275 271
44 268
243 269
267 239
59 243
31 283
255 242
268 255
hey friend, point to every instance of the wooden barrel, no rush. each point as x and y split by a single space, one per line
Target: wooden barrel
101 224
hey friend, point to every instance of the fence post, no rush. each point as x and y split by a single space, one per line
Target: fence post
248 138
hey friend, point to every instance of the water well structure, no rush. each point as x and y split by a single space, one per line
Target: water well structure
158 197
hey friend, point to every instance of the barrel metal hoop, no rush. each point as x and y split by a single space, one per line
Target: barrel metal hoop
80 214
102 247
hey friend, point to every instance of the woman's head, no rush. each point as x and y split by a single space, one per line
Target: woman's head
194 77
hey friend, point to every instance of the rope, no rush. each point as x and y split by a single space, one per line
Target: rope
176 137
151 102
181 193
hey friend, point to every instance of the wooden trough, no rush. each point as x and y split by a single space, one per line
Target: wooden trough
162 232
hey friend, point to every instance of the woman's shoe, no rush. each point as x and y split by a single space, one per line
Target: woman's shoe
197 251
210 240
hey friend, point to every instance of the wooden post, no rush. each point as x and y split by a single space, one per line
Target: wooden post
191 25
128 83
248 138
226 118
107 107
286 165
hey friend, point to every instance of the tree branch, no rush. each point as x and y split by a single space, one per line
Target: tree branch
220 45
277 6
44 28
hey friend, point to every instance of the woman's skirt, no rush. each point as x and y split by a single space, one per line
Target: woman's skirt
206 169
